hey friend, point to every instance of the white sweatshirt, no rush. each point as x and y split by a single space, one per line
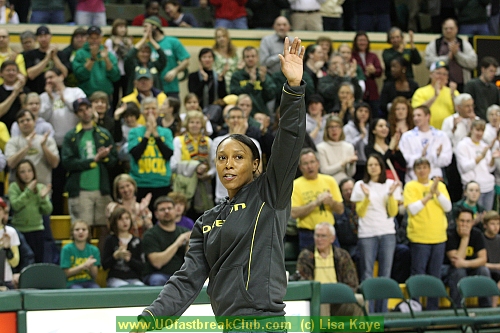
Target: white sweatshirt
466 154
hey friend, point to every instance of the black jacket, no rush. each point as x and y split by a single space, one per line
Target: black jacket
238 244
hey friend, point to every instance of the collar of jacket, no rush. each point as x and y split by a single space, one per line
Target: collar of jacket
79 126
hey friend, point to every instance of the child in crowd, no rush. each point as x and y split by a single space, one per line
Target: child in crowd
9 243
130 113
29 201
80 259
491 221
191 103
100 106
122 254
181 206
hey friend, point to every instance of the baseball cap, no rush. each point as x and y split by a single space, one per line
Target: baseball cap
80 101
143 73
42 30
94 30
154 20
437 65
3 204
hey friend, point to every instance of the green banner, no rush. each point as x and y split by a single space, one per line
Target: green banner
251 324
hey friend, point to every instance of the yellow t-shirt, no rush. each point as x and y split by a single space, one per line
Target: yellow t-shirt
429 225
305 191
324 268
442 106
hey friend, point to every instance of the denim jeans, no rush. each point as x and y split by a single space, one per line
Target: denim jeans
487 199
453 275
380 23
494 24
48 17
116 283
427 259
86 284
379 248
89 18
239 23
474 29
156 279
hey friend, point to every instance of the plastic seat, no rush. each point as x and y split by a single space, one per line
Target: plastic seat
381 288
42 276
338 293
430 286
479 286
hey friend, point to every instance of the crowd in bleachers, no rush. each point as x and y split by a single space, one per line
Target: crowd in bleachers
103 123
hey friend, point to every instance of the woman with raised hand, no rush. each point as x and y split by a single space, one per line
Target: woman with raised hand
243 255
376 199
139 57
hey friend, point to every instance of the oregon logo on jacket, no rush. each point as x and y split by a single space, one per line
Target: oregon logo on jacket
218 223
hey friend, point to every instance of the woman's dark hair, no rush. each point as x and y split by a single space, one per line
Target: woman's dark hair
310 49
359 106
22 185
467 185
56 70
247 142
204 51
175 104
402 62
371 136
382 177
115 216
355 42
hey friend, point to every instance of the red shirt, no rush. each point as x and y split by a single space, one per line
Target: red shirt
139 21
229 9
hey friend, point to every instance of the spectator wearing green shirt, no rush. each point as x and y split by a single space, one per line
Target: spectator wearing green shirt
177 56
87 153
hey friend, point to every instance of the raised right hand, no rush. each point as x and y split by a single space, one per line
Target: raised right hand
292 61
